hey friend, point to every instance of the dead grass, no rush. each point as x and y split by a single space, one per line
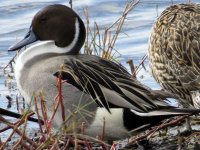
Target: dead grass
102 44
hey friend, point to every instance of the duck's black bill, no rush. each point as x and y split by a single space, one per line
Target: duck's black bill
28 39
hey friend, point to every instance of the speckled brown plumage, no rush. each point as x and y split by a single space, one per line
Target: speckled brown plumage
174 51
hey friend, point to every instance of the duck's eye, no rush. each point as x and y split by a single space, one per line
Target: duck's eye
43 19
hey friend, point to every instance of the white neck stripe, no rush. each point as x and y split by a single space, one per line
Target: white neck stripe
76 36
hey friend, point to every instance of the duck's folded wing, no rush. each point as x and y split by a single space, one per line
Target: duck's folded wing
182 45
109 84
175 43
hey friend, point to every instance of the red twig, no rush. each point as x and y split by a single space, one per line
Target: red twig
113 146
39 121
44 112
87 144
15 129
9 127
60 99
21 140
103 129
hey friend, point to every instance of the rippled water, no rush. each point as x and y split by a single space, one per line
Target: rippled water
16 16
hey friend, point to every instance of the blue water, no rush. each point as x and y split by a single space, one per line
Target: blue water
132 43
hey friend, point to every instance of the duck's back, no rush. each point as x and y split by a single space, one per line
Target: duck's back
174 51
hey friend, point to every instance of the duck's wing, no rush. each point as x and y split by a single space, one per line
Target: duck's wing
184 45
109 84
175 50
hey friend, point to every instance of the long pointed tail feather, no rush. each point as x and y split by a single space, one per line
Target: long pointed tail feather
169 112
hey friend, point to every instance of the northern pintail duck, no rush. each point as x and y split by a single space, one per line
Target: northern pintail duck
174 52
100 87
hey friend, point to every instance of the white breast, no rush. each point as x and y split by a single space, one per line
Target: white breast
29 54
113 124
